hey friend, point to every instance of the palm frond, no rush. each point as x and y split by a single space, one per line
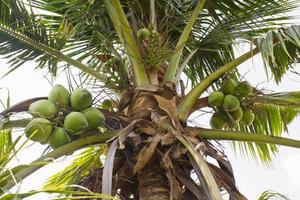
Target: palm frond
93 40
78 169
5 146
271 118
23 37
281 50
60 193
227 24
272 195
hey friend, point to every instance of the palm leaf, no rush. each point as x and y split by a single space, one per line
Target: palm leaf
17 26
5 146
272 195
25 37
280 50
58 192
94 37
273 114
78 169
227 24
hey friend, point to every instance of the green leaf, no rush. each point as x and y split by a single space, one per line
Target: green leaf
280 50
62 193
5 146
270 120
227 24
272 195
79 168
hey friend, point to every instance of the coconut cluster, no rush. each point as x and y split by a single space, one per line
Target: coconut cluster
228 106
63 117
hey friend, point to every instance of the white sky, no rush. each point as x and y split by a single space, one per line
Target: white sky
252 178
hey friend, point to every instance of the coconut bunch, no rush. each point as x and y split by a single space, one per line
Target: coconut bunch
63 117
228 105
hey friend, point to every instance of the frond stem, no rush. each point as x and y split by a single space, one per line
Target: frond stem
153 15
173 65
126 36
247 137
19 123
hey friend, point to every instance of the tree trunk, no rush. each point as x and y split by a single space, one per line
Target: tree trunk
153 184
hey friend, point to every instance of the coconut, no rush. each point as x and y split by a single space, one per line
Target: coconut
58 138
230 103
215 98
243 89
60 96
216 122
237 115
39 129
228 86
75 123
94 117
248 117
143 34
43 108
81 99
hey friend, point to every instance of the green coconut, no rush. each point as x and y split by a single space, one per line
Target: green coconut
230 103
43 108
248 117
228 86
76 123
81 99
216 122
237 115
143 34
215 98
58 138
243 89
60 96
94 117
39 129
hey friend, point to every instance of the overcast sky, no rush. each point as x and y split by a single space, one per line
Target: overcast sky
252 177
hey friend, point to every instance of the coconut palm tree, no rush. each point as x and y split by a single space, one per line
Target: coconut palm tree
158 62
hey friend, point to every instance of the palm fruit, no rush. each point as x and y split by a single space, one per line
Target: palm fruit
237 115
43 108
94 117
81 99
75 123
243 89
39 129
60 96
58 138
215 98
216 122
248 117
143 34
228 86
230 103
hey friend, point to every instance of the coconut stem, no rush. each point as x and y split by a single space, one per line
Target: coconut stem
247 137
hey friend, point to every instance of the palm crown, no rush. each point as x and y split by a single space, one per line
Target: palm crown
141 51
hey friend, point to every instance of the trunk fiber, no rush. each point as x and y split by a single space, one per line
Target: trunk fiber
153 184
